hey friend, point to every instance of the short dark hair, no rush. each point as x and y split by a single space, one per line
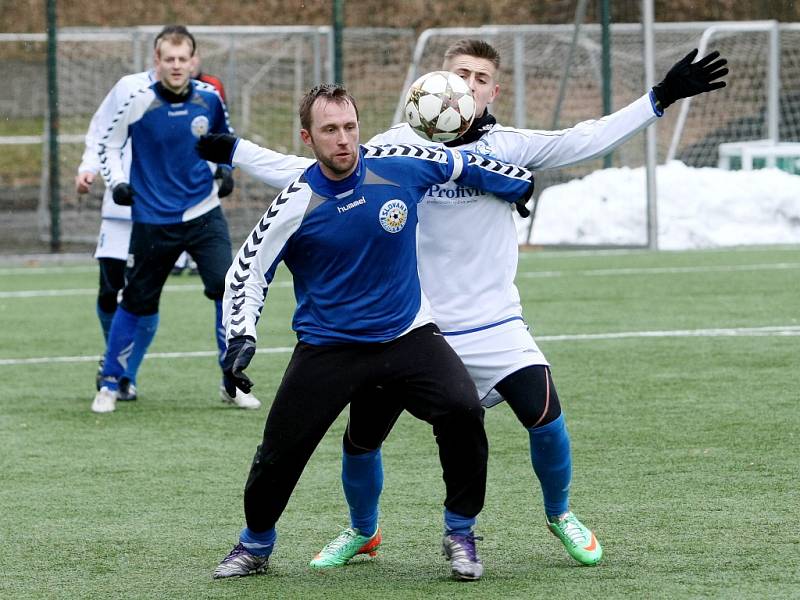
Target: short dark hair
476 48
175 34
332 92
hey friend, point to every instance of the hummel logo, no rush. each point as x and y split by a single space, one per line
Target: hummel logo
352 204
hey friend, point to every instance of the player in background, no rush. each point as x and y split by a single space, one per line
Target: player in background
469 280
346 229
115 227
175 200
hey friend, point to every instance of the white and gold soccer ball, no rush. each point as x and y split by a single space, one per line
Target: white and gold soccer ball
439 106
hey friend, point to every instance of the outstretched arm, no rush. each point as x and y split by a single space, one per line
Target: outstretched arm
538 149
270 167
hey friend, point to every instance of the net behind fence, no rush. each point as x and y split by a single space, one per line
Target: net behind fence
266 70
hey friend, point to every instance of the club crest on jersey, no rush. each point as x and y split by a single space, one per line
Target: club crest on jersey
199 126
393 215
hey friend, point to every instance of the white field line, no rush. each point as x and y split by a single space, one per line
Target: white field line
65 270
663 270
93 291
775 330
527 274
150 355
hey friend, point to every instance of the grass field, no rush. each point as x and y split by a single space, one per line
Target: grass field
678 372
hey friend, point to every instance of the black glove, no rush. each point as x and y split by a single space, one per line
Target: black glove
522 210
238 355
216 147
225 175
123 194
686 78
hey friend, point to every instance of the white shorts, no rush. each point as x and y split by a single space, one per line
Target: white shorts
114 239
492 354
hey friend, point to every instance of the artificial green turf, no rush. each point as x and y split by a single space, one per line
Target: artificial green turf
685 460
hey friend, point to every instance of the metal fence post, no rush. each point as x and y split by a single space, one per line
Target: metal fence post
53 127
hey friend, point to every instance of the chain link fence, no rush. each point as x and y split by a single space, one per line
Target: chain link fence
266 70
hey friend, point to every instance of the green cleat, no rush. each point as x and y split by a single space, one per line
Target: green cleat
345 546
580 542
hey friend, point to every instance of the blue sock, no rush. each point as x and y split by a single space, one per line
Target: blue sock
362 480
145 332
119 347
220 331
105 321
552 462
456 524
259 544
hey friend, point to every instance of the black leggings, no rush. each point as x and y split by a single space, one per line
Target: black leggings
531 394
419 370
112 280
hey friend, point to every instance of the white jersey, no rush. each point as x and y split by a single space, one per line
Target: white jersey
467 244
101 121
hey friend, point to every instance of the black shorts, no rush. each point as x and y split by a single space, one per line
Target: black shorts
155 248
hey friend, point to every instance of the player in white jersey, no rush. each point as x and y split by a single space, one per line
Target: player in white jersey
115 228
469 278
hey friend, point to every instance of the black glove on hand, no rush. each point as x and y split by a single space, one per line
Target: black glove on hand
686 78
522 210
225 175
123 194
240 352
216 147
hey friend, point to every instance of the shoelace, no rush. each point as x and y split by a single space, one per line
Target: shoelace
465 546
238 550
341 540
573 532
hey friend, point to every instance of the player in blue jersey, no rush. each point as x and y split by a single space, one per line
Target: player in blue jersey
113 239
174 200
346 229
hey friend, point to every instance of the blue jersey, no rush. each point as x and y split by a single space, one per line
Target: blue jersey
351 244
171 182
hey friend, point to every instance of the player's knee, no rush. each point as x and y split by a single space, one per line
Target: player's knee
547 414
107 301
139 306
362 444
215 290
214 293
531 394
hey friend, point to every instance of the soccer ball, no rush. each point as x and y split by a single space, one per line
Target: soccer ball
440 106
